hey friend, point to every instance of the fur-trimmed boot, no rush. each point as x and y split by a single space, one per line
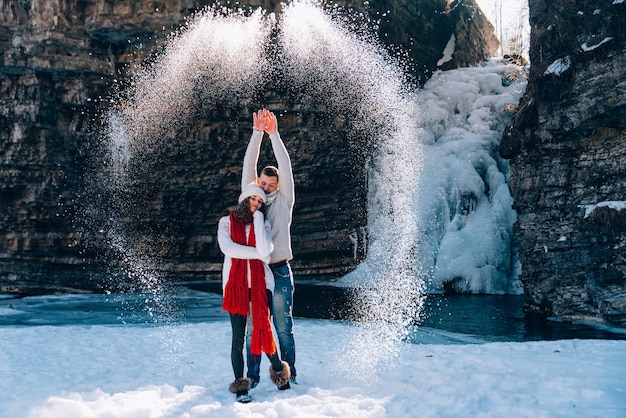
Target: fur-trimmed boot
281 378
240 387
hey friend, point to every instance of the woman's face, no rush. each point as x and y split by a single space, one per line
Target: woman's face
256 203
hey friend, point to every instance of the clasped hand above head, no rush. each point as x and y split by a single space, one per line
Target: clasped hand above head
258 120
264 120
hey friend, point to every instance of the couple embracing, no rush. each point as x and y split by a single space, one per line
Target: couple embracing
257 279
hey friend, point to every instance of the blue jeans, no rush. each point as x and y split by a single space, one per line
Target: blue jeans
282 310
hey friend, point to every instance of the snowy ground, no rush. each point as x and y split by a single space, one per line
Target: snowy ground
183 370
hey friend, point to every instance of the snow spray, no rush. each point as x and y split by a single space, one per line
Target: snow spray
321 52
223 57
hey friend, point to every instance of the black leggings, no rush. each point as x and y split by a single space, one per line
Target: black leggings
238 325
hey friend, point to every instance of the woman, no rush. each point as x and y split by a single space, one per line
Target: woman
245 238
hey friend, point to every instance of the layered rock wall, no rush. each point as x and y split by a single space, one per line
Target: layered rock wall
567 153
61 60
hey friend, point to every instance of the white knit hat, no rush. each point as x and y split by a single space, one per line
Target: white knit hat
251 189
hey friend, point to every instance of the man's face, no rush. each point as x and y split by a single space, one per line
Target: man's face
267 183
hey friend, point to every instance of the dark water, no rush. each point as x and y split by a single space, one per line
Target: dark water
501 318
458 318
488 317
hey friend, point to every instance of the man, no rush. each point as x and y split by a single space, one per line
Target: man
278 185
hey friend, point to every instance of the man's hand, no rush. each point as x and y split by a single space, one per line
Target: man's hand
271 124
258 120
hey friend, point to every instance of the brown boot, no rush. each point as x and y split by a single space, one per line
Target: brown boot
281 378
240 387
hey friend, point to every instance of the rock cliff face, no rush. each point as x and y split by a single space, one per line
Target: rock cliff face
568 155
61 61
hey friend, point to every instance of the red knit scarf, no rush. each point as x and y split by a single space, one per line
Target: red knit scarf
236 294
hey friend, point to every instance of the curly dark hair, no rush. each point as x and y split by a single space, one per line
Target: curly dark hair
242 210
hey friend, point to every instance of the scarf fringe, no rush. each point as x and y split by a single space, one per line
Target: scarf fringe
232 300
262 341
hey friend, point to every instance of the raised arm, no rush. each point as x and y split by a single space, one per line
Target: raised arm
282 159
251 159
